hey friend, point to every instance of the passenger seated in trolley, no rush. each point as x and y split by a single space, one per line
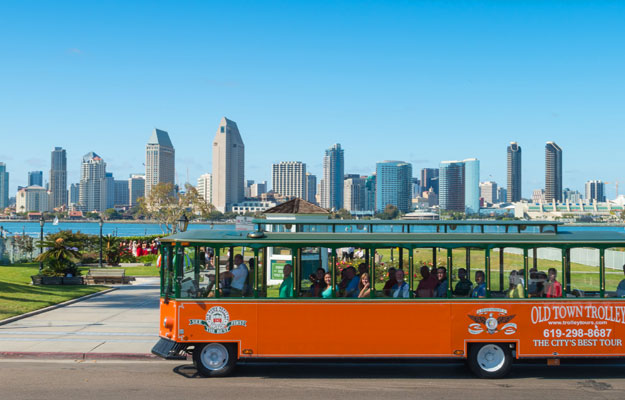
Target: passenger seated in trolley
401 288
364 286
427 285
479 292
286 287
238 277
516 290
318 283
464 286
441 289
620 289
392 281
553 288
327 293
351 288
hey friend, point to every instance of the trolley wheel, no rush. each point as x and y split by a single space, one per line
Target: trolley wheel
490 360
215 359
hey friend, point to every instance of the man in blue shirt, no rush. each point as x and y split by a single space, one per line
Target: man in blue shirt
480 290
441 289
401 288
351 290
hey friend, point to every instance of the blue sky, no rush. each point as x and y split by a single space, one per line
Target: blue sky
418 81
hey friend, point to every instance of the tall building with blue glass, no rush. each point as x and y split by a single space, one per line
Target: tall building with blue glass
4 186
472 185
451 186
332 183
393 185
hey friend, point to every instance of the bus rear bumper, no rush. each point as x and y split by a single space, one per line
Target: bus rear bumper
170 350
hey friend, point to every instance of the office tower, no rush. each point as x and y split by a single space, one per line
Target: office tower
451 186
92 195
553 172
35 178
393 185
136 188
205 187
311 188
416 188
370 187
488 191
514 173
74 194
429 179
4 186
109 190
258 188
595 191
288 178
160 160
332 182
122 193
571 196
354 193
471 185
228 166
502 194
538 196
58 178
32 199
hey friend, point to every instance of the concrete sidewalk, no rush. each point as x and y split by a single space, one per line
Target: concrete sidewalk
119 324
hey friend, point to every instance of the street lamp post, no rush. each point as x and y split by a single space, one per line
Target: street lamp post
42 222
183 223
100 222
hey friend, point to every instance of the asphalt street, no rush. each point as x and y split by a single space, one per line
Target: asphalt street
174 379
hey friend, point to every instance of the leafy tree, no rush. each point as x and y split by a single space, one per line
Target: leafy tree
166 207
112 213
342 214
390 212
25 244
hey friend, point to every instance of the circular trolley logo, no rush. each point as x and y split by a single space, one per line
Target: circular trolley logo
494 320
217 321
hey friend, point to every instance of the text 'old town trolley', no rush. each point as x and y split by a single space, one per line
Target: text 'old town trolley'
487 292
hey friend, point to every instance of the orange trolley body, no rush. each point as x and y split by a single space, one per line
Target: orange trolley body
387 328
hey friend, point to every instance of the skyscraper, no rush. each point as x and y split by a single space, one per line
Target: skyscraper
488 191
332 182
451 186
393 185
4 186
160 160
136 188
58 178
354 193
109 190
553 172
595 190
429 179
228 166
311 188
93 194
205 187
514 173
122 193
472 185
370 188
35 178
288 178
74 194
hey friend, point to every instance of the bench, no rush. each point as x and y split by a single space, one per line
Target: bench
100 275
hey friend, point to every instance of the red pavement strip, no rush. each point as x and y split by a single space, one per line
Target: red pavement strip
54 306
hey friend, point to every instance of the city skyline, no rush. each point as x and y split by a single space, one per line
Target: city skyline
507 73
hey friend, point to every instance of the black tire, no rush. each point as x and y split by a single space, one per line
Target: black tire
490 360
215 359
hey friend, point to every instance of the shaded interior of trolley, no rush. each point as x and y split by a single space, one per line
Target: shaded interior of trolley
589 264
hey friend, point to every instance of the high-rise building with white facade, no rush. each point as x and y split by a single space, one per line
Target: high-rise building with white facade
288 178
595 191
4 186
393 185
332 182
471 185
58 178
311 188
35 178
205 187
228 166
451 186
488 191
32 199
160 160
136 188
354 197
514 173
553 172
93 194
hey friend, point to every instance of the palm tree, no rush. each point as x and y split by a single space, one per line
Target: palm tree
60 256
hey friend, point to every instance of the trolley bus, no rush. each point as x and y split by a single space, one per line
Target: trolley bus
200 316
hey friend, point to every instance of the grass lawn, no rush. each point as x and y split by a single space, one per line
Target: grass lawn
18 296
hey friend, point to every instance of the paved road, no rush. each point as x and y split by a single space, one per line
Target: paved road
122 321
68 380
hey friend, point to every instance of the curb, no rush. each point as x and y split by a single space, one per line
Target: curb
54 306
26 355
